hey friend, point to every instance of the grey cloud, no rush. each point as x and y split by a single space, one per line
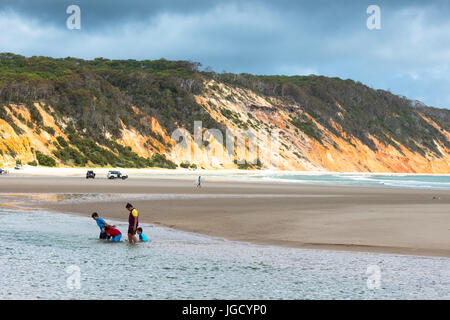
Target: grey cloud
262 37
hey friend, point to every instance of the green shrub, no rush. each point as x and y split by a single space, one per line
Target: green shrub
45 160
49 130
185 165
160 160
307 126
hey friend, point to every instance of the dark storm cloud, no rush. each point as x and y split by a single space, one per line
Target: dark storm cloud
409 55
97 14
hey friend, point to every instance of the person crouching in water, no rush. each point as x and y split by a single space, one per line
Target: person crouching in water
101 223
114 234
142 236
133 223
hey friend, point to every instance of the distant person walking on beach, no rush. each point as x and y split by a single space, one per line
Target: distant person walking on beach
132 223
101 223
199 182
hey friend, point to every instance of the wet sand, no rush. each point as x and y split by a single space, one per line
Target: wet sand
372 219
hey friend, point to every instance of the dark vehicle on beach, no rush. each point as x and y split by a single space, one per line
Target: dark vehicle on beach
90 174
116 175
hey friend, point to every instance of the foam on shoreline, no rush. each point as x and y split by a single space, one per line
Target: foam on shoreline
65 172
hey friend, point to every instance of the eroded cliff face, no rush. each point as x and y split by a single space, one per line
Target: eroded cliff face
21 139
243 112
298 151
23 145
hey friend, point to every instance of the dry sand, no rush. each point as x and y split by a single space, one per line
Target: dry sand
372 219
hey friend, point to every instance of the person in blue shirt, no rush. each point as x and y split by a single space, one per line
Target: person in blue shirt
142 236
101 223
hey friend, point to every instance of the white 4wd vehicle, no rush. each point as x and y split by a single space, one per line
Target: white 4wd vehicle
116 175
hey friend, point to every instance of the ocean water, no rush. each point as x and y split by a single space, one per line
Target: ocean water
43 253
395 180
337 179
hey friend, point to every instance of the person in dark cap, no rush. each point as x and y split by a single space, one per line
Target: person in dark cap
133 223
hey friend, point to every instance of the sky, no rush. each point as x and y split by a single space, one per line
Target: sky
409 55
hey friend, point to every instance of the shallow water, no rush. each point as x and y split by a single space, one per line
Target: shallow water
35 198
37 247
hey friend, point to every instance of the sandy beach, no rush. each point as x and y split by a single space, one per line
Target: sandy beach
371 219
